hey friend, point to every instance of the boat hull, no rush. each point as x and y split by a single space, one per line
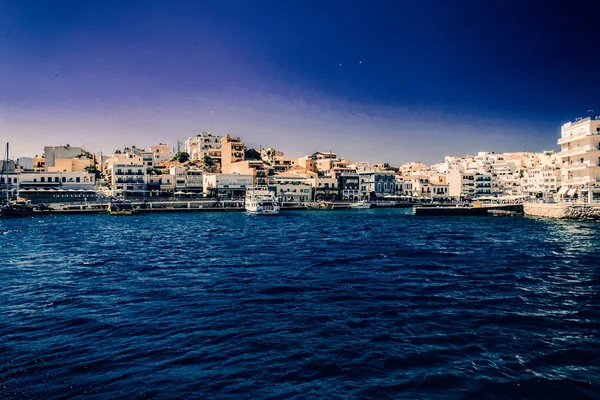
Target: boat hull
259 211
360 206
16 211
127 212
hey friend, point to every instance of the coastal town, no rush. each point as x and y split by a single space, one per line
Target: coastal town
220 168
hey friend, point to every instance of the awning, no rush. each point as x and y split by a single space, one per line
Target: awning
571 192
563 190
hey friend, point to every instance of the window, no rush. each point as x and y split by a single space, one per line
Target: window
78 179
64 179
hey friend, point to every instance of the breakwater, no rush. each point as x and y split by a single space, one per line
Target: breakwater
563 210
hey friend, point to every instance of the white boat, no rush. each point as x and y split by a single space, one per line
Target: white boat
260 200
361 204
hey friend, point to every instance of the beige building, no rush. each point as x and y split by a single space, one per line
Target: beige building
39 164
290 188
259 170
161 153
580 156
232 151
78 164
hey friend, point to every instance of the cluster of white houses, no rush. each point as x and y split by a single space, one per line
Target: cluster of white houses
71 172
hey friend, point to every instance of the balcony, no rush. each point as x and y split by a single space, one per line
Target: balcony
578 136
581 165
580 150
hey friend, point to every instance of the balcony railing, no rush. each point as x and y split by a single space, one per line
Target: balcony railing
581 165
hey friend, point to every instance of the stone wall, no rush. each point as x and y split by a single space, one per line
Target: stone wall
583 212
562 211
545 210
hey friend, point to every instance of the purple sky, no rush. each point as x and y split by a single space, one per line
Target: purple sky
110 74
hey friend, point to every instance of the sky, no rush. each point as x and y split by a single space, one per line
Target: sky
382 81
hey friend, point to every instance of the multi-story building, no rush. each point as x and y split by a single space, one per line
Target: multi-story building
290 188
232 151
56 187
580 156
160 185
75 164
228 186
349 186
461 185
193 180
542 181
54 152
325 188
483 184
204 144
161 153
506 180
439 187
403 186
382 182
126 173
421 186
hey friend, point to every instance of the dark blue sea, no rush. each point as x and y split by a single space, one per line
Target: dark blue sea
357 304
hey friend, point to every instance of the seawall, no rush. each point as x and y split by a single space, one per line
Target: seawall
562 211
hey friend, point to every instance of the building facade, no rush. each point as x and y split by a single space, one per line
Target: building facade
203 144
228 186
580 158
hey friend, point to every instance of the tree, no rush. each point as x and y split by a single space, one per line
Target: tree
208 161
93 169
155 171
251 154
181 156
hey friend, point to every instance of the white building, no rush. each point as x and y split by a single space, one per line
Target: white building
541 181
580 156
461 185
126 174
203 144
226 185
47 187
403 186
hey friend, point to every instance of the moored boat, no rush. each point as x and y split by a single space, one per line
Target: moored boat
120 207
16 207
361 205
260 200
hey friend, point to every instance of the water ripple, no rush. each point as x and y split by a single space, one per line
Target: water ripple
376 304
